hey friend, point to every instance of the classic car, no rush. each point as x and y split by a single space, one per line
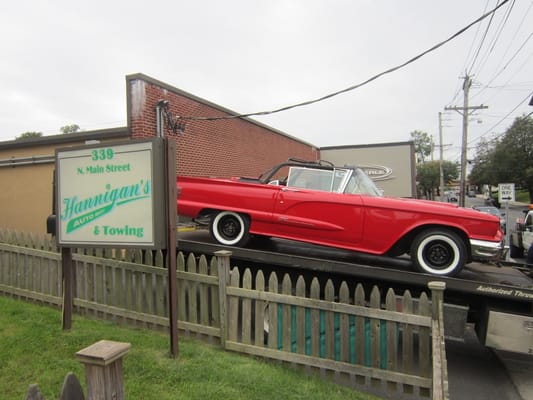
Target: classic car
340 207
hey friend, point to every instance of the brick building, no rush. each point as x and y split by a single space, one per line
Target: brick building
224 147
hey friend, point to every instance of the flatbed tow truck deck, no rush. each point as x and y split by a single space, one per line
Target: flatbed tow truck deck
493 297
296 255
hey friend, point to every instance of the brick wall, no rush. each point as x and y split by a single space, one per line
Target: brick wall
221 148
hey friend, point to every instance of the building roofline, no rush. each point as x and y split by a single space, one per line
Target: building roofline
146 78
362 146
111 133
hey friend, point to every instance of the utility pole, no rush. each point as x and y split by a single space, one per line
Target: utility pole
464 111
441 156
441 146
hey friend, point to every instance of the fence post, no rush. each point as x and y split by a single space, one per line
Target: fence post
437 297
440 366
103 369
223 262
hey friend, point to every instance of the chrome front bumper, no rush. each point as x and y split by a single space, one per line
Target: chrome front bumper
485 250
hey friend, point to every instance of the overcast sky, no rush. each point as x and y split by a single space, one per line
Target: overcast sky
65 62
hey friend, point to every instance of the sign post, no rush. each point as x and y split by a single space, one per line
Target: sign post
170 168
506 193
68 287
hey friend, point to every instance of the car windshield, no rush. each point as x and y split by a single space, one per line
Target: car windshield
360 183
339 180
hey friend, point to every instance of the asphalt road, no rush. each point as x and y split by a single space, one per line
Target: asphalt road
477 372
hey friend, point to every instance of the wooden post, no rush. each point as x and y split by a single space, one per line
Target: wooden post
103 369
223 262
68 285
439 388
170 168
437 297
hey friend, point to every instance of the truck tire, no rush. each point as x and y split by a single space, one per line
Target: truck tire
438 252
515 251
230 228
529 257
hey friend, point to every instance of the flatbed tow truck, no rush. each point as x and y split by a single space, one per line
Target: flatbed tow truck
496 299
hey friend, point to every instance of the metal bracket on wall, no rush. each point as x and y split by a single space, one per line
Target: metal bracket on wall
174 123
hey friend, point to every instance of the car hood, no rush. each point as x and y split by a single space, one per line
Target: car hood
430 207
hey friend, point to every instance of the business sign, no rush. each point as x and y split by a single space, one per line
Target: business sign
111 195
505 192
377 172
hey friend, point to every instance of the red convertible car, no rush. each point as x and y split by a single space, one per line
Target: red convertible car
340 207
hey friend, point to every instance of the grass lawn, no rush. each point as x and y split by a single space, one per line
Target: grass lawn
34 349
522 196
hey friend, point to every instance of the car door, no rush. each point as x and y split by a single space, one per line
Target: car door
321 217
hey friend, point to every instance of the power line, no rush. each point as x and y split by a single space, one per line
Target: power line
480 44
500 121
508 47
470 50
490 130
356 86
508 62
491 45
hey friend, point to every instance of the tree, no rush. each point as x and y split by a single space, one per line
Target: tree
514 155
428 175
69 129
482 172
423 145
27 135
509 159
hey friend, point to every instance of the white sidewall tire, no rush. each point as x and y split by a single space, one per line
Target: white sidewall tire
219 237
421 261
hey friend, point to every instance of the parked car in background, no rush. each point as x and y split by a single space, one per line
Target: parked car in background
491 199
493 211
452 196
340 207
